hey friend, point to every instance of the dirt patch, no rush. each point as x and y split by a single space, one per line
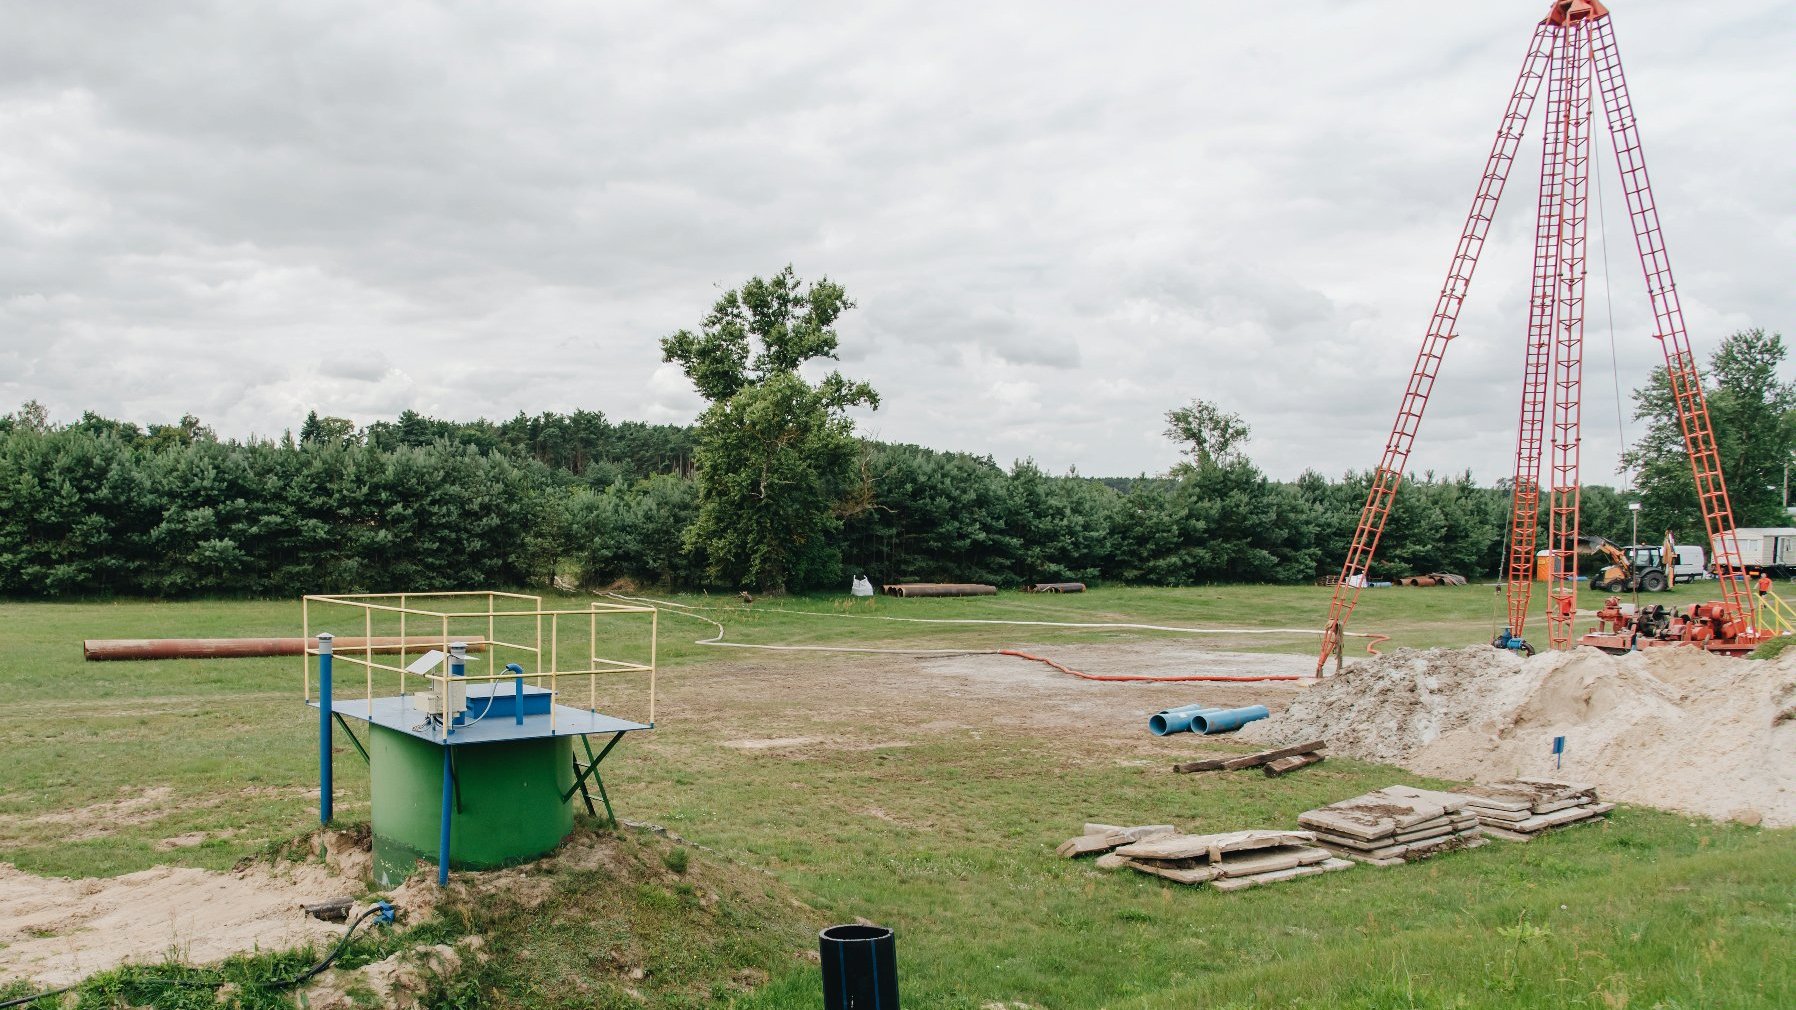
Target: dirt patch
97 820
1679 729
54 931
190 839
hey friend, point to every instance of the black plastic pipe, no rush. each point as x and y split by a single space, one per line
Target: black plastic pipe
860 968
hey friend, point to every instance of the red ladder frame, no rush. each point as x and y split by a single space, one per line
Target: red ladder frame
1574 48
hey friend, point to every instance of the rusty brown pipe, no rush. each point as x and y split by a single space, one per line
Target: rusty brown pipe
95 649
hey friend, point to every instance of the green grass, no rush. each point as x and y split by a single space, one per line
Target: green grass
1649 910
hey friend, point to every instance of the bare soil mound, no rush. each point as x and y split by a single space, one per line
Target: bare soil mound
1679 729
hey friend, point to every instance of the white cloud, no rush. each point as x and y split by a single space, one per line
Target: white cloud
1059 220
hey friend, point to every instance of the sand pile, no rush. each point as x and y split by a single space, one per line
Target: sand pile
56 931
1673 728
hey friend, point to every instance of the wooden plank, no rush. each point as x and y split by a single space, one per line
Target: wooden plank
1286 765
1255 760
1239 761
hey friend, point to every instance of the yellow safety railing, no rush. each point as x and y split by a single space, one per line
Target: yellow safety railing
507 627
1776 615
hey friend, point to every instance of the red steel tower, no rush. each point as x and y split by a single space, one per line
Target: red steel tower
1573 59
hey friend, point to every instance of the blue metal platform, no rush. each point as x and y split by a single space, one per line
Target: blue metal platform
497 726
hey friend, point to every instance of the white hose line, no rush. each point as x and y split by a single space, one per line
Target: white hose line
989 621
716 641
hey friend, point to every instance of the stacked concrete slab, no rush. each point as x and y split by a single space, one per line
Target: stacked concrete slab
1392 826
1230 861
1518 810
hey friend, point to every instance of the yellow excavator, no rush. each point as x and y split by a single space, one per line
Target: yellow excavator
1619 574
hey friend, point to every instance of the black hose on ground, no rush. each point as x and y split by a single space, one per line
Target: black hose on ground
381 908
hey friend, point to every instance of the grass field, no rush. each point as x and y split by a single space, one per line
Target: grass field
942 822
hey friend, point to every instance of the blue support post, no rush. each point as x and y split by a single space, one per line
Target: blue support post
324 727
448 808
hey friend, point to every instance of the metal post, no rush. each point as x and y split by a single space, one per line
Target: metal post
1634 556
458 667
324 727
518 683
448 808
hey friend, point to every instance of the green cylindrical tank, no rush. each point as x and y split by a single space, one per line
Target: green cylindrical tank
511 807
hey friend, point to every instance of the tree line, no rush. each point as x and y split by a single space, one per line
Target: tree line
99 507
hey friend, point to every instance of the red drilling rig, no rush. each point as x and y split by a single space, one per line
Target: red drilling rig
1573 59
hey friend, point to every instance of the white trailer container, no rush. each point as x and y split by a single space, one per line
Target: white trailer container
1766 548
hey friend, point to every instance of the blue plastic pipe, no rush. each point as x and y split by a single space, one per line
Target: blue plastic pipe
1223 720
1174 720
517 682
324 727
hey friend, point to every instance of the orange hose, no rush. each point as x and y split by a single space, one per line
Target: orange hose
1138 679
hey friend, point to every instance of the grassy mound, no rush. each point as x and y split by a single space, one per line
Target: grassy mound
624 920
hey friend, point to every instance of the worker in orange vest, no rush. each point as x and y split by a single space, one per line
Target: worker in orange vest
1764 584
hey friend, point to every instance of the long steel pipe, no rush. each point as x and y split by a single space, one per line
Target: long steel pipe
95 649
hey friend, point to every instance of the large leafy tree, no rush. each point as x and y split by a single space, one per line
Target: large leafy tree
1206 435
776 456
1753 410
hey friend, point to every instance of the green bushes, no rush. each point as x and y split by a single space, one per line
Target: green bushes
100 507
85 512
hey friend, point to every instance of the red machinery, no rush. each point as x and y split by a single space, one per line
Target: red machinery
1574 59
1709 626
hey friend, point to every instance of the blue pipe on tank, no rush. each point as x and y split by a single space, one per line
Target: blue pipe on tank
518 683
1223 720
324 727
1174 720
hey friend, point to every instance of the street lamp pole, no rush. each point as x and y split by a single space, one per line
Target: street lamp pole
1634 550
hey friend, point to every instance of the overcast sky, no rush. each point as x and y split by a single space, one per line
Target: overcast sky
1059 220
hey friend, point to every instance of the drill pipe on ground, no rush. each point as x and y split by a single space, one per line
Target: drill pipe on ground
96 649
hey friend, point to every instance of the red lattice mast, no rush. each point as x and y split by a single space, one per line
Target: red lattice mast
1389 475
1573 53
1524 518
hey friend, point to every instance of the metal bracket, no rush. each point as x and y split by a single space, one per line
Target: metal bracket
359 749
591 769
